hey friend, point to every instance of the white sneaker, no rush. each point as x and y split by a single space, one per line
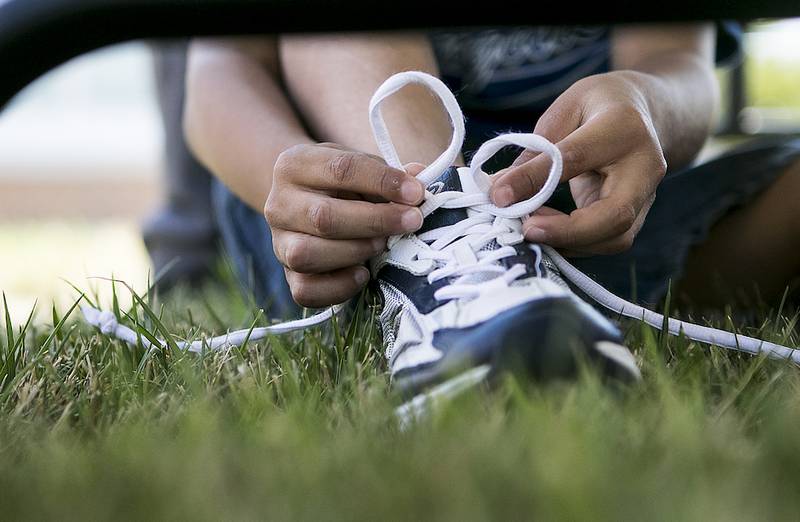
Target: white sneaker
467 290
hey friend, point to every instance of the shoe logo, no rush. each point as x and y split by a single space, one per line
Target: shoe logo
436 187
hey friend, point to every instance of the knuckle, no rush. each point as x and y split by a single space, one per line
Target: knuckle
272 212
321 218
277 249
377 223
297 256
269 211
635 124
632 116
389 180
618 245
613 248
568 237
302 290
584 83
301 294
549 121
627 240
626 216
341 168
624 243
284 165
660 168
575 154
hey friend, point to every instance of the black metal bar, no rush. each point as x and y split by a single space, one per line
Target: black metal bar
37 35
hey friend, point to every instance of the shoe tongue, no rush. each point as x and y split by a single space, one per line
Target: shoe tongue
442 217
449 180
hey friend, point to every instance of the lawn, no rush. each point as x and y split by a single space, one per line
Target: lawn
301 427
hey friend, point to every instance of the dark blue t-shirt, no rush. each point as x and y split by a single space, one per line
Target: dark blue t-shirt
506 78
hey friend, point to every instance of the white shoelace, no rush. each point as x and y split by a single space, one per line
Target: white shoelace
457 250
108 325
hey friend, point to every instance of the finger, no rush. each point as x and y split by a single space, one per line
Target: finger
557 122
411 168
573 253
307 254
617 244
318 290
602 220
590 147
327 168
549 211
336 146
323 216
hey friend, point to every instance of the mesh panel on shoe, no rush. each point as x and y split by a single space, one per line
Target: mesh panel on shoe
393 303
553 274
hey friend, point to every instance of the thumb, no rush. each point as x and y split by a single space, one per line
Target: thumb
528 172
521 181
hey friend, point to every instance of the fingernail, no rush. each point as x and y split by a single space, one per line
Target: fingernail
411 220
362 276
503 196
535 235
411 191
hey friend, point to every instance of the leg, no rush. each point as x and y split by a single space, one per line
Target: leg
181 236
331 79
752 252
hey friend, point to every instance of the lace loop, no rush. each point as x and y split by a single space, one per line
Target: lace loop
381 131
531 142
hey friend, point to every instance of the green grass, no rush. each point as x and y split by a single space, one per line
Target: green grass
301 427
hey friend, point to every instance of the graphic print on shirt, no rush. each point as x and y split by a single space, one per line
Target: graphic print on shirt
500 69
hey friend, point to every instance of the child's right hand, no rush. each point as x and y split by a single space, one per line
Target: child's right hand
331 209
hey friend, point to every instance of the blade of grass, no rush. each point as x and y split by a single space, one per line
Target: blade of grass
60 325
9 326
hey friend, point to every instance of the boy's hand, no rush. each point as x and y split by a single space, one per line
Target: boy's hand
612 158
331 209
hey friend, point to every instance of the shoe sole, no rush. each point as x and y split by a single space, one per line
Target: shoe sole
546 338
424 404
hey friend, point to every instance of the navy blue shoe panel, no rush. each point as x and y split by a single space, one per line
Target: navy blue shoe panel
546 338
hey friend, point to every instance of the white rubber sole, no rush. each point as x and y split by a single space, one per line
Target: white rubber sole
621 355
423 404
420 406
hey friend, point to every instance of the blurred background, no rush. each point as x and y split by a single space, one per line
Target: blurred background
80 157
81 154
